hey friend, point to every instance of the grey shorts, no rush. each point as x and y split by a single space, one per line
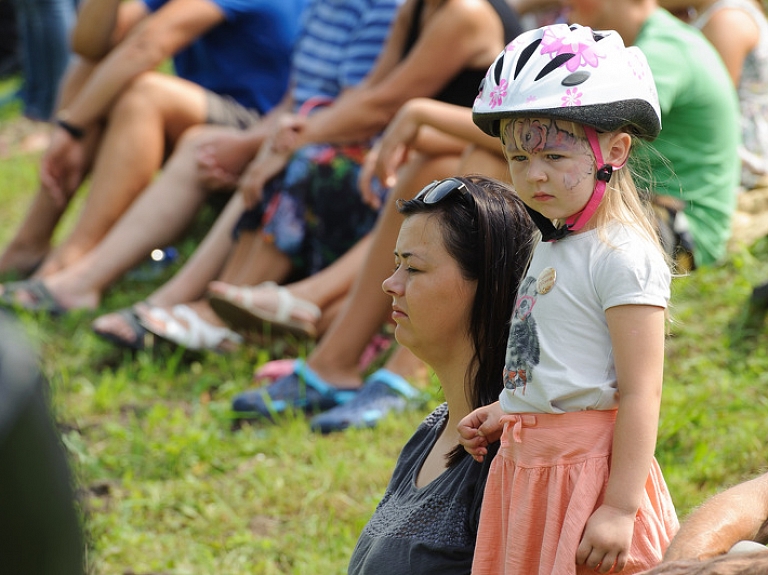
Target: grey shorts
226 111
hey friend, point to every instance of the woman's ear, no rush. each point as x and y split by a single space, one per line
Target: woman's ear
617 148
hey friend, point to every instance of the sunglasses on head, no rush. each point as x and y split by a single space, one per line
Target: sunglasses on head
440 189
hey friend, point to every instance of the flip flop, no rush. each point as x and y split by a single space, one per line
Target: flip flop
41 298
140 337
236 306
197 334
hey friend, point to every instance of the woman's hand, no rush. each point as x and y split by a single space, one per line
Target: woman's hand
479 429
607 539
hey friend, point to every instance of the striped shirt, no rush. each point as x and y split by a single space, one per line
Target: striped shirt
339 45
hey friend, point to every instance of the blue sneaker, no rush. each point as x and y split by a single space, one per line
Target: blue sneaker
302 390
382 393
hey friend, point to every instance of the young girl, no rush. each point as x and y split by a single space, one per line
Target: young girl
575 488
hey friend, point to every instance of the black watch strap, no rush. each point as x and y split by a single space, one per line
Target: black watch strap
74 131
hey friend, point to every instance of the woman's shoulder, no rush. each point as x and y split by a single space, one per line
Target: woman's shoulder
437 418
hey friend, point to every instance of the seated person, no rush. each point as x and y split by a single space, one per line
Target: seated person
118 118
459 257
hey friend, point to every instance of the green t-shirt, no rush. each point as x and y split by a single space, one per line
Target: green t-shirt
700 132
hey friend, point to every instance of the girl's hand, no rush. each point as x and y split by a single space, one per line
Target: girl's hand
607 539
480 428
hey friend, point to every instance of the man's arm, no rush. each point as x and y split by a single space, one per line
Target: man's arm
101 24
733 515
146 46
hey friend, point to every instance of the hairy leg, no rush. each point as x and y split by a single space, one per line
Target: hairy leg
151 114
32 240
156 218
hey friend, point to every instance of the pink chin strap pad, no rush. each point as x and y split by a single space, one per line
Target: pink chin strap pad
604 172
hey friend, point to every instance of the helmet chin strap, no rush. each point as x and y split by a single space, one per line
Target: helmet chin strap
574 223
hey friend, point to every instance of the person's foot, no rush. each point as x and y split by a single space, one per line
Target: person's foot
383 393
252 308
190 326
30 295
123 329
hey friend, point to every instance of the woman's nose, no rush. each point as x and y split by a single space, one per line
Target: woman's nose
391 285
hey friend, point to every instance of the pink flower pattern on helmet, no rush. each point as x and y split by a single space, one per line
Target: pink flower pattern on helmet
498 94
558 41
572 97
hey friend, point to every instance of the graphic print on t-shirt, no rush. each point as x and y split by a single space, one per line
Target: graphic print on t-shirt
523 344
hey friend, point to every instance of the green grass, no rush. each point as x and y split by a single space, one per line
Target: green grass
167 487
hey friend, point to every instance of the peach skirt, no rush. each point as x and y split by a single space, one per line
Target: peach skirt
546 481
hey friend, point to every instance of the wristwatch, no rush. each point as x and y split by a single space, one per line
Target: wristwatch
75 131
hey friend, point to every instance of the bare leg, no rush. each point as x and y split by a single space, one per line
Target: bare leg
206 263
32 240
155 110
189 283
253 261
156 218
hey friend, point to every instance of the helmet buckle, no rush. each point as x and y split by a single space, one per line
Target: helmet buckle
604 173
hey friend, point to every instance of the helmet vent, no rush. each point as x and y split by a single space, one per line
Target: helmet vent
576 78
553 64
525 55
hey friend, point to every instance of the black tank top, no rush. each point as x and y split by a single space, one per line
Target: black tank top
462 89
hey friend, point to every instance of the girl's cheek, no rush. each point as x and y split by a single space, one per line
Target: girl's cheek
577 174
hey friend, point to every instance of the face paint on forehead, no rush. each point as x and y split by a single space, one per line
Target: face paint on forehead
538 134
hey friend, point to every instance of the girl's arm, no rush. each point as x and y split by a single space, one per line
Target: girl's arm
637 335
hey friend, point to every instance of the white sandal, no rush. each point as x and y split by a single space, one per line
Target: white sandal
237 306
184 327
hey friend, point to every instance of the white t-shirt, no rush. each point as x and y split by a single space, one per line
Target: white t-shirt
559 353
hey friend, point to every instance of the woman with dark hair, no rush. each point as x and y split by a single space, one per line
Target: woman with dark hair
461 252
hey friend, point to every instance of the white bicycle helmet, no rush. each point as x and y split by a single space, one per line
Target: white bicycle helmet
571 73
